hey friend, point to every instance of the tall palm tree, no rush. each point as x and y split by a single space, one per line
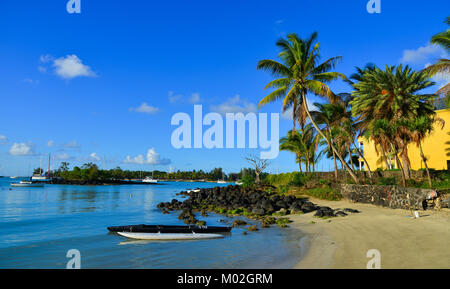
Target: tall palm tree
386 131
420 128
300 73
442 39
392 95
328 116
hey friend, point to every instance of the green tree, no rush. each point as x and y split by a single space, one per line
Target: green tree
300 73
38 171
391 95
64 167
442 39
420 128
303 143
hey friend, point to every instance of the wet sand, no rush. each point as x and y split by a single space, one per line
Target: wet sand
403 242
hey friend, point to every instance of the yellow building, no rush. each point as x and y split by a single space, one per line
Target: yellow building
435 148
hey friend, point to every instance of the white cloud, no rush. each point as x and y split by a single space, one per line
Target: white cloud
46 58
31 81
174 98
422 54
145 108
234 105
71 145
50 143
3 139
94 157
152 158
63 157
22 149
71 66
195 98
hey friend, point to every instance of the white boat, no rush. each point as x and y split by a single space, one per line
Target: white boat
27 184
170 236
239 183
150 180
40 178
221 182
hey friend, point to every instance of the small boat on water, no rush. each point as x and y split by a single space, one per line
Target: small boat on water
150 180
163 232
27 184
169 236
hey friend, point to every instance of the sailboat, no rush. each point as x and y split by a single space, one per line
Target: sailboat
222 181
39 177
150 180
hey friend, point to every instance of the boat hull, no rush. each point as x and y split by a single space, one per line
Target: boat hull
169 236
169 229
27 185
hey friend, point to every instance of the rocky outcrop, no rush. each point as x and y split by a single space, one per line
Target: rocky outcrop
235 200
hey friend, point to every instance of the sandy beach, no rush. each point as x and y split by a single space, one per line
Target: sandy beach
403 242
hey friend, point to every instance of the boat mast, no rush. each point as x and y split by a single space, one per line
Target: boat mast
48 171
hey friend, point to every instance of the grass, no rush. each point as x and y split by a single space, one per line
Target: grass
324 193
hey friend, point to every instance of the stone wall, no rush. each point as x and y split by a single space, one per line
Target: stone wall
387 196
364 176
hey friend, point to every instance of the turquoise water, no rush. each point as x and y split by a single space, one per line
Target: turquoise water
39 225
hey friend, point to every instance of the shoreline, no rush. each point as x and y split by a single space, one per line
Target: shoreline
403 242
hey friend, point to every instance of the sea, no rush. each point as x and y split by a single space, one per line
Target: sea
41 228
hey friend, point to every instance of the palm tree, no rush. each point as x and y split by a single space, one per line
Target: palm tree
292 142
329 116
382 129
442 39
392 95
420 128
304 144
299 74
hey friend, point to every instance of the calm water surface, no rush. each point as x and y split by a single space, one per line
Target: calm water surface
39 225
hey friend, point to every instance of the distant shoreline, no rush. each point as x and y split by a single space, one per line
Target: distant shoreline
119 182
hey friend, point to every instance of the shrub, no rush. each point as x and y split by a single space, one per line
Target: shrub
326 193
248 181
287 179
387 181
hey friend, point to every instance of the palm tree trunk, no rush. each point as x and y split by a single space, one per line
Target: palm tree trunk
430 182
350 156
365 162
405 164
335 167
349 170
401 169
294 106
299 162
383 155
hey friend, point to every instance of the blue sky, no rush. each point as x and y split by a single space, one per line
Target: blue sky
103 85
